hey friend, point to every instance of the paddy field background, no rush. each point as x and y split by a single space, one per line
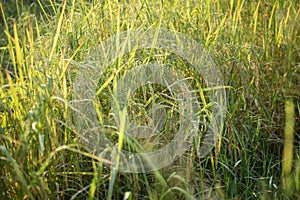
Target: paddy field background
255 46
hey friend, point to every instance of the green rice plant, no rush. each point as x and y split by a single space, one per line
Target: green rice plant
255 45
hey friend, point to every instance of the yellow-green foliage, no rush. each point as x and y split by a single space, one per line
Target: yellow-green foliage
255 46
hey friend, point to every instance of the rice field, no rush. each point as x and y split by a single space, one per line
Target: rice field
54 52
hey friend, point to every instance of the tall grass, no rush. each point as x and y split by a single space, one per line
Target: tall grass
254 44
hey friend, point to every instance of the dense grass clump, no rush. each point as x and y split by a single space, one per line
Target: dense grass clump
254 44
